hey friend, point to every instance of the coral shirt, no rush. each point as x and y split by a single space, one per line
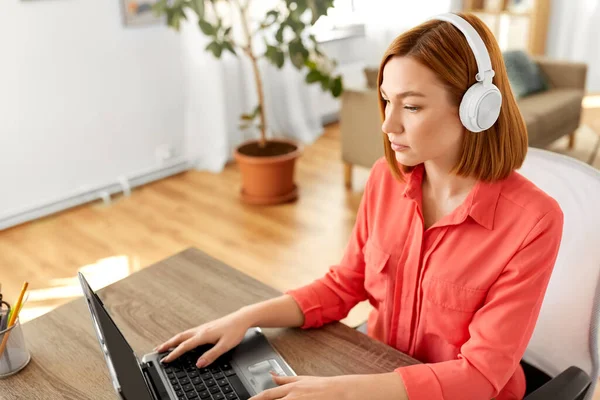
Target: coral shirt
462 297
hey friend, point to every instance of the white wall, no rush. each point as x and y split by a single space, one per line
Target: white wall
83 99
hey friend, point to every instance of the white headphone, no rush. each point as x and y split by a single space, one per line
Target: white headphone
480 105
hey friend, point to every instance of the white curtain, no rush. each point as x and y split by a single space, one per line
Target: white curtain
573 34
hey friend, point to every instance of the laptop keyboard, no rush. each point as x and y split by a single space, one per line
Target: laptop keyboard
216 382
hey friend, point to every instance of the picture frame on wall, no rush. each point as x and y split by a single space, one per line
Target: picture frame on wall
139 13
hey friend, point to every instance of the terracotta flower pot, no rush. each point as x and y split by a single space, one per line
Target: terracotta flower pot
268 173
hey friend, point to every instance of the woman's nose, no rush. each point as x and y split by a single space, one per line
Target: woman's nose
391 124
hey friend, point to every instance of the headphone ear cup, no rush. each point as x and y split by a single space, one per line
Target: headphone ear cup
480 107
464 110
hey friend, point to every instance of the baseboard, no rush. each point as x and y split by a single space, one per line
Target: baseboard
99 192
330 118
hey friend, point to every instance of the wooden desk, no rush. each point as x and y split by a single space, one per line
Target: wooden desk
153 304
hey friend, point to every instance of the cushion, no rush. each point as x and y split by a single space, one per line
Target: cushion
535 133
523 73
546 113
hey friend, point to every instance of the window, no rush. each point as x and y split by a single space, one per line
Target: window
340 15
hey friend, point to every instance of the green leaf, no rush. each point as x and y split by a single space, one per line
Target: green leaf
298 53
296 60
336 86
275 55
319 8
160 7
270 51
270 19
325 82
198 7
229 46
313 76
256 111
206 27
174 17
215 48
273 13
294 22
280 59
301 6
248 118
279 33
310 64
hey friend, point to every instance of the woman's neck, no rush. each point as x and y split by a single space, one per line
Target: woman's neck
440 183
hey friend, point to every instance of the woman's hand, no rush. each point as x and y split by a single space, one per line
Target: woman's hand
346 387
307 387
225 333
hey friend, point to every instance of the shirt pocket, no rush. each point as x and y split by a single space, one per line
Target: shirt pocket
449 309
376 271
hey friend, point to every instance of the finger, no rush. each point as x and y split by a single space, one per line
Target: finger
211 355
273 394
183 348
282 380
174 341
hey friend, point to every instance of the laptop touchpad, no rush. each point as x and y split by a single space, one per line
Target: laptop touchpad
261 376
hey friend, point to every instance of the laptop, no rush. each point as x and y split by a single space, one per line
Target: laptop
239 374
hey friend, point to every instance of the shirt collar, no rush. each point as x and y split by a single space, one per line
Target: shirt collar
412 189
480 204
485 200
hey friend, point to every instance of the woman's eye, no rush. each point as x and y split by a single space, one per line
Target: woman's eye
411 109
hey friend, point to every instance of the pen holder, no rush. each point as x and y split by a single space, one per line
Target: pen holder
15 356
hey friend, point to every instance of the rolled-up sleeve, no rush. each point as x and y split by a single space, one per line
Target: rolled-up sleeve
500 330
331 297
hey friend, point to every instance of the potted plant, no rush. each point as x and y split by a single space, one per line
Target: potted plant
267 165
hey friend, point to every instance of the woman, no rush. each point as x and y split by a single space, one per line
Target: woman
452 247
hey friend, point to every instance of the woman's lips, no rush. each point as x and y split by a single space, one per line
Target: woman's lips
398 147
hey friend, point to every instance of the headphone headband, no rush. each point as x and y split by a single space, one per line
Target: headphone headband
480 106
484 64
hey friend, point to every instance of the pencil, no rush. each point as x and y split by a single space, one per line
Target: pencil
13 316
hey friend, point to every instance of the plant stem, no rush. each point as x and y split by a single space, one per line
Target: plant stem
259 84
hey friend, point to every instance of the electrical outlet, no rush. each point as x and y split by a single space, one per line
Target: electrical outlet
164 152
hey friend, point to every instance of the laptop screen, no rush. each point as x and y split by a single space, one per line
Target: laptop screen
121 360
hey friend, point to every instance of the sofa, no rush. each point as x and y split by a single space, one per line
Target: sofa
549 115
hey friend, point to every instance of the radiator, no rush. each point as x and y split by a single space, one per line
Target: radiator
122 184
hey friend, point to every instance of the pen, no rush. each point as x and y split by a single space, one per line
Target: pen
4 316
13 316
